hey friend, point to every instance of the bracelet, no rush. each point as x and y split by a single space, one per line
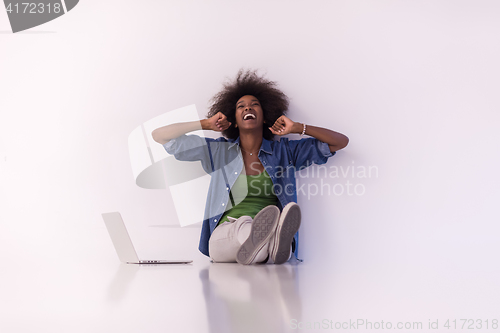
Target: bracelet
303 130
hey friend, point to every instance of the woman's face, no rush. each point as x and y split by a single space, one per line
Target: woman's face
249 114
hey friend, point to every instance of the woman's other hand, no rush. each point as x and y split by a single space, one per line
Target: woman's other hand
217 123
283 125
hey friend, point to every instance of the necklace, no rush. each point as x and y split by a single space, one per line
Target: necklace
251 154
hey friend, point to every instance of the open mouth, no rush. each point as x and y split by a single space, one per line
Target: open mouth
249 116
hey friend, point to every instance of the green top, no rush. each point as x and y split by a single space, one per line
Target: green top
260 194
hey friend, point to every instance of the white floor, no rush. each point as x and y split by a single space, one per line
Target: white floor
320 295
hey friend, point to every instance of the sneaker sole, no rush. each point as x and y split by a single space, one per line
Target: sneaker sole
263 228
284 234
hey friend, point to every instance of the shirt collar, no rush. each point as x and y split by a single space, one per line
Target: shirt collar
265 146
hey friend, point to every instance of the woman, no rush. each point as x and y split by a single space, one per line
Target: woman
251 213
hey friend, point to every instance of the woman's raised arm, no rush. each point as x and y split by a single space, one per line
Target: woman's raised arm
216 123
335 140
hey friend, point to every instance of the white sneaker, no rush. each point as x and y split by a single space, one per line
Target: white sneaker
288 225
263 229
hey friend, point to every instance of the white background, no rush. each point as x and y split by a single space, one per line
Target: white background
413 84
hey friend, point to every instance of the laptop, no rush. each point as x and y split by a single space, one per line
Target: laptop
123 245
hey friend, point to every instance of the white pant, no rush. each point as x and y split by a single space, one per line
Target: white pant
227 238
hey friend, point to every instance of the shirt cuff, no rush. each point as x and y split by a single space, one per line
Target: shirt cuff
169 146
325 149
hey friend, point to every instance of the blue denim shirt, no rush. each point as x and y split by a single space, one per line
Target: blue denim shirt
222 159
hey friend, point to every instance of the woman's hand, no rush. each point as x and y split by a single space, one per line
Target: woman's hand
217 123
283 125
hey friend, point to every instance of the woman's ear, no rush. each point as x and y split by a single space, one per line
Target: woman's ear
235 125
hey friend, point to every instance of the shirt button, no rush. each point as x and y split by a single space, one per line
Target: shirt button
222 204
235 173
215 220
